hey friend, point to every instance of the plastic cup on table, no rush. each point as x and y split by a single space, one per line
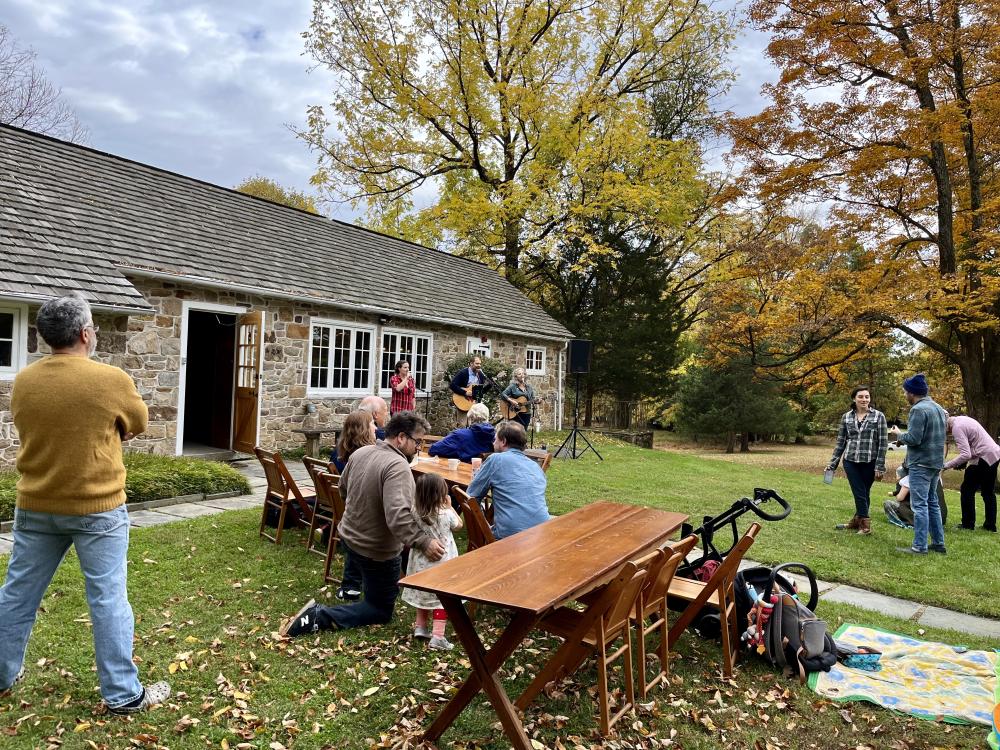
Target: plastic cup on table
476 463
452 464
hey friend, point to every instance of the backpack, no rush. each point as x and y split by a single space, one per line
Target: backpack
780 627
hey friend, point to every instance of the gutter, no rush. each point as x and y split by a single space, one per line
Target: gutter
38 299
202 281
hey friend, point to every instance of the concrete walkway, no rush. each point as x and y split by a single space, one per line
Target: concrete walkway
921 614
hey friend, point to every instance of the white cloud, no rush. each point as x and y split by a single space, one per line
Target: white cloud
101 103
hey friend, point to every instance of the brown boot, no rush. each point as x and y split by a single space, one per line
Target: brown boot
865 526
852 525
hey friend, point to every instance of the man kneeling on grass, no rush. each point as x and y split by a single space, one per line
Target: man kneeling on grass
378 490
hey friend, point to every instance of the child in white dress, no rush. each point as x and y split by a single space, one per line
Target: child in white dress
432 507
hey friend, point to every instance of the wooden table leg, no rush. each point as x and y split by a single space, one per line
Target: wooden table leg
483 676
312 445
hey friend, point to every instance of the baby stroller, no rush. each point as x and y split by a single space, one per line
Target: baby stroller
708 622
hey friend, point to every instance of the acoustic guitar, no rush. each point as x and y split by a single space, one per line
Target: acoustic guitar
464 403
510 410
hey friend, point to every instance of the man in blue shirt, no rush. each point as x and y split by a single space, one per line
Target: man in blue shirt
924 440
517 482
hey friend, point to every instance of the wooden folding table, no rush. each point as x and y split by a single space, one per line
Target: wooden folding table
460 476
530 574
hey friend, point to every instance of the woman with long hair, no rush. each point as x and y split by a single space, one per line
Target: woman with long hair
404 389
358 431
862 441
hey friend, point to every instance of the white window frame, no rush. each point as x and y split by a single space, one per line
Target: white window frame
416 335
19 339
477 345
541 352
353 327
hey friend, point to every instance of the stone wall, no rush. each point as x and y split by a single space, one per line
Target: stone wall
148 347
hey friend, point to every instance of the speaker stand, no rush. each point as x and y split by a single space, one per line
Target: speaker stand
576 432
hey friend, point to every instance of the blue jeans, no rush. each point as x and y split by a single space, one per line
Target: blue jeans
41 540
925 506
380 586
860 476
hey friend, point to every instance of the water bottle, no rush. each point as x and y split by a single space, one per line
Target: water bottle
828 476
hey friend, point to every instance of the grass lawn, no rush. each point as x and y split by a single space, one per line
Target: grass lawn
209 595
965 579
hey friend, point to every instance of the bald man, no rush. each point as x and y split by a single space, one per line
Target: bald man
375 405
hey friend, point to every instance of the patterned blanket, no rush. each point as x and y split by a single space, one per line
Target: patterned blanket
928 680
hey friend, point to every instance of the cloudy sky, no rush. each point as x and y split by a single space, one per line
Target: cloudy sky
209 89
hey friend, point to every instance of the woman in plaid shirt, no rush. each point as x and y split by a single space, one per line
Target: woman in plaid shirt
862 442
404 389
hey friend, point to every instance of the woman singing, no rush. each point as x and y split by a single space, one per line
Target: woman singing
404 390
862 441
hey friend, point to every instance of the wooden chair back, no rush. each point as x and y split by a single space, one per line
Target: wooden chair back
328 495
542 458
718 591
652 603
282 491
477 529
315 465
606 619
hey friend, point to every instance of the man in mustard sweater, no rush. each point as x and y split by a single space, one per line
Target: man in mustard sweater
71 415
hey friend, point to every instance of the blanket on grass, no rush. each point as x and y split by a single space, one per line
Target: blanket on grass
929 680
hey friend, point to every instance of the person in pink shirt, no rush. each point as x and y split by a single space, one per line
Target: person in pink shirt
980 454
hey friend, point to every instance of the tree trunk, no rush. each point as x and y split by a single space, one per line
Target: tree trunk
731 443
981 379
744 442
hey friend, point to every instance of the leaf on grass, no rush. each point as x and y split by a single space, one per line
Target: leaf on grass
83 726
370 691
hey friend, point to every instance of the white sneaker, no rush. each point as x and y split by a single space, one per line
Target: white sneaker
152 695
440 644
422 632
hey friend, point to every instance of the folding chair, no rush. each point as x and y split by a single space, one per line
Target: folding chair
328 495
282 492
600 625
652 602
324 512
477 529
315 465
717 591
542 458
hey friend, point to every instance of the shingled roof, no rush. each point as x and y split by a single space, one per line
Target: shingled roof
75 218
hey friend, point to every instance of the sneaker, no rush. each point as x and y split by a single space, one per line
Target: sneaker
422 632
151 696
939 548
303 621
20 676
441 644
348 595
911 551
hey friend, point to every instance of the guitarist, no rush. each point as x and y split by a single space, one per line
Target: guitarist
469 382
520 396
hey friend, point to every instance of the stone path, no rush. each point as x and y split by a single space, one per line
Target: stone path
834 592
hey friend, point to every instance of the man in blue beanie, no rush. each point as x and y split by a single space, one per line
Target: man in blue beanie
924 440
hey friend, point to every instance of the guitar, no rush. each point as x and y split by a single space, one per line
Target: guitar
520 405
472 395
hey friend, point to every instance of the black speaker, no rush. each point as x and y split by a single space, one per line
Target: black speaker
579 356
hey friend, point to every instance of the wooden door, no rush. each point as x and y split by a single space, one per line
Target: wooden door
248 352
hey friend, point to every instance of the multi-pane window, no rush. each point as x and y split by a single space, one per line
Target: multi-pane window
415 348
340 357
11 341
534 360
475 345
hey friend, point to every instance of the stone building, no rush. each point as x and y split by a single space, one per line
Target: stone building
240 319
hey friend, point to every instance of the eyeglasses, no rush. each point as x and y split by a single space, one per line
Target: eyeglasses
97 329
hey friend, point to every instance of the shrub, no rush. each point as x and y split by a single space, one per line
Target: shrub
152 477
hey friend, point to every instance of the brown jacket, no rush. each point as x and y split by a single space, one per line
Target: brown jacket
378 488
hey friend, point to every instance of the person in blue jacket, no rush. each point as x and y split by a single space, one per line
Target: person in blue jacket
467 442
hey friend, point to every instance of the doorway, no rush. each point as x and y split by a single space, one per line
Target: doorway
209 382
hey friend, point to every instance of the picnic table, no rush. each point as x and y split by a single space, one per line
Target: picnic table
312 435
459 477
530 574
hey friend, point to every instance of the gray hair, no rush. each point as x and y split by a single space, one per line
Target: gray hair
373 405
60 320
478 413
524 373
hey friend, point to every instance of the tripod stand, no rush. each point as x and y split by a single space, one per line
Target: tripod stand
576 431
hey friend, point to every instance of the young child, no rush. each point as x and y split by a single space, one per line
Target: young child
433 508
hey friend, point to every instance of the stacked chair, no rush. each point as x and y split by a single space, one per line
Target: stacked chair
282 494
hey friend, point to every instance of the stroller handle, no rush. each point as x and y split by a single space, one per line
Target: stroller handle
760 496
